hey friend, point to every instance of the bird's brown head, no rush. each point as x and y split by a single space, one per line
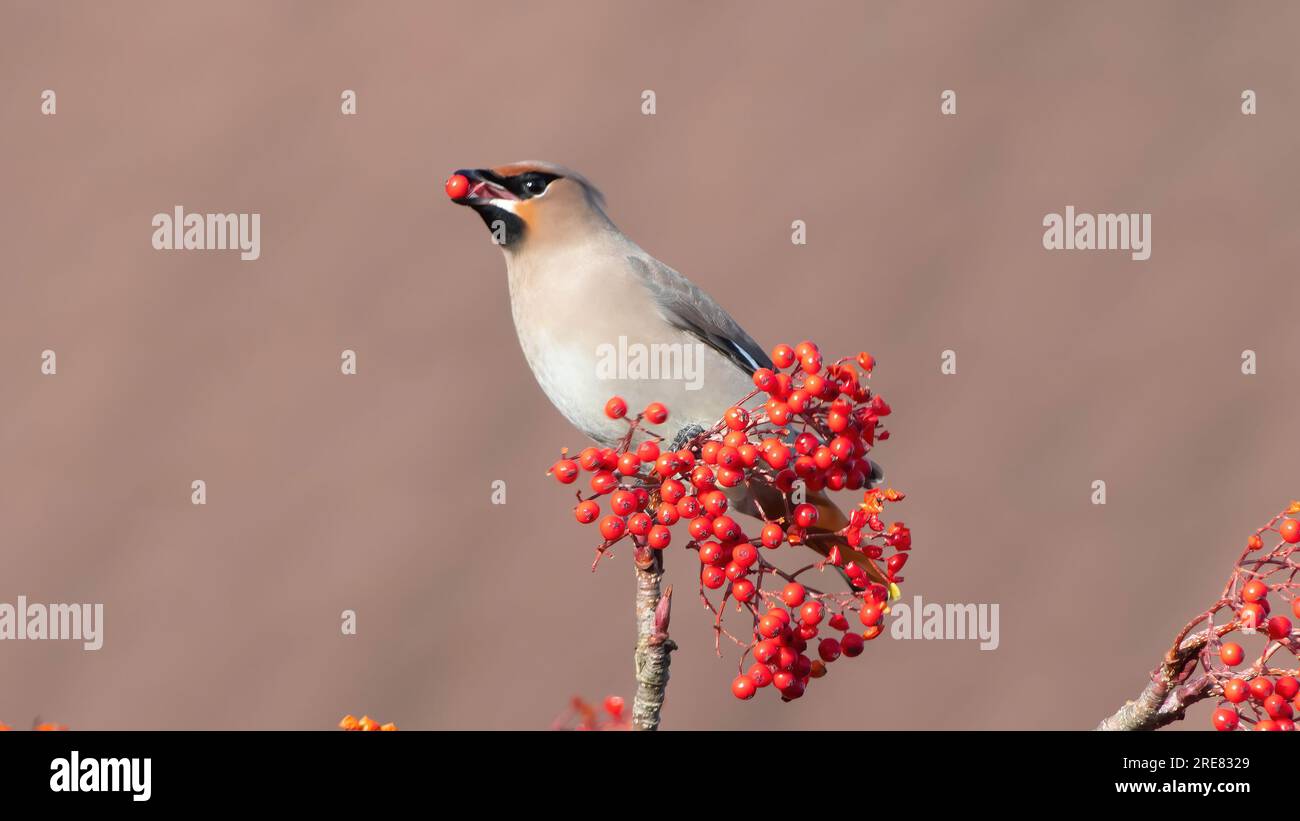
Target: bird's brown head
528 202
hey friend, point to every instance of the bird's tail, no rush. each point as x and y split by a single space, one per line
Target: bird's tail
822 536
830 519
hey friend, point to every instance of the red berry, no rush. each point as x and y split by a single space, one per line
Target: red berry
612 527
712 553
614 706
829 649
622 502
616 408
743 688
772 535
793 594
1225 719
730 477
777 411
656 413
1261 688
760 674
1267 725
811 613
1231 654
1236 690
457 186
870 615
715 502
783 356
639 523
1252 615
794 690
1254 590
659 537
1277 707
672 491
590 459
777 456
647 451
765 380
748 455
565 470
1279 627
701 526
729 457
726 529
769 626
1287 687
742 590
702 477
851 645
712 577
689 508
744 554
666 514
602 481
805 515
1295 606
838 622
629 464
1290 530
767 651
736 418
587 512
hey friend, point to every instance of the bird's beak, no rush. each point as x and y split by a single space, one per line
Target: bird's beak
484 186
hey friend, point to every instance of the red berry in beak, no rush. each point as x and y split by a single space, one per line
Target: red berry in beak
457 186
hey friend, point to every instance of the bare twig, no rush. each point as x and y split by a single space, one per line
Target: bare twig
653 645
1171 690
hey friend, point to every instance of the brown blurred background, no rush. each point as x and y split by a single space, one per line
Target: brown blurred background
371 492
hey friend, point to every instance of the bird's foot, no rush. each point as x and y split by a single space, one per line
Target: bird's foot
685 435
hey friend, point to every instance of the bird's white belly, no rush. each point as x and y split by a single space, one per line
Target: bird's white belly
695 382
591 332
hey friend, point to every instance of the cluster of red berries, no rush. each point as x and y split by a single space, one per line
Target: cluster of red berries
1262 695
364 724
39 726
583 716
810 431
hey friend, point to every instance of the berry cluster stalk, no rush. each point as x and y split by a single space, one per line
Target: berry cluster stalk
1172 689
652 643
1200 665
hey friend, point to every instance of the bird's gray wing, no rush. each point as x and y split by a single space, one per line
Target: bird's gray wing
685 306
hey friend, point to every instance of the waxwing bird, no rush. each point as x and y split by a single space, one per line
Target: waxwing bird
597 316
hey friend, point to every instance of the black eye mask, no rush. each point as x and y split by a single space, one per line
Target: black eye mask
529 184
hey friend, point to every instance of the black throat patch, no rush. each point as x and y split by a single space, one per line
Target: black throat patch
506 228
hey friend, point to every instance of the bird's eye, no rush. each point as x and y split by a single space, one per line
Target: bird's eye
535 185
